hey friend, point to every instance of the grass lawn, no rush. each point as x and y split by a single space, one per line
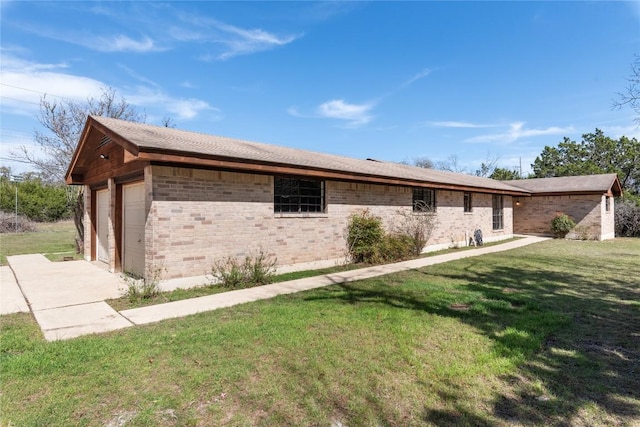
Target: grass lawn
542 335
55 240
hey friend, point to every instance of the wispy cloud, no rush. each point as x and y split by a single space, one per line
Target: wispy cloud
354 114
456 124
25 82
422 74
517 131
233 40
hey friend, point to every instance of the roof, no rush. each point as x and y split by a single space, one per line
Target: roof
162 144
586 184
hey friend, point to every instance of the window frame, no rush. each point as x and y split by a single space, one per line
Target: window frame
607 203
497 213
431 204
467 202
309 199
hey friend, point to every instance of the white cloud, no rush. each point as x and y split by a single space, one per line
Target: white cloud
354 114
120 43
517 131
24 83
455 124
617 132
183 108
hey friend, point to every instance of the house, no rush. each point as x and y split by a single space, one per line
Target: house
162 198
588 200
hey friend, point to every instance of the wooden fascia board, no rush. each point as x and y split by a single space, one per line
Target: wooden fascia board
265 168
74 178
76 154
568 193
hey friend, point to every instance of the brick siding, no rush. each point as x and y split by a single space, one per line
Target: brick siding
534 215
199 216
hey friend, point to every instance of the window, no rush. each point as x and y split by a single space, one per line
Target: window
498 223
607 204
468 204
298 195
424 199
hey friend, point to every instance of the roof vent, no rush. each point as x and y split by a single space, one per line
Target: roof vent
104 141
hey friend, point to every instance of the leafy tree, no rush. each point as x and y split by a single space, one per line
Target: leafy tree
631 96
504 174
596 153
37 200
63 122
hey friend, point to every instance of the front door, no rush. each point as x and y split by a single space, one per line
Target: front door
133 221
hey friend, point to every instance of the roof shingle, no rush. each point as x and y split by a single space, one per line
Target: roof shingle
151 138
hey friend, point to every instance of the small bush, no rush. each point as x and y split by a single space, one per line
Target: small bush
256 270
627 217
562 224
364 234
394 247
140 288
417 225
8 223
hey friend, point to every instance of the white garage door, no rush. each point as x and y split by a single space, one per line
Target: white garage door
102 228
133 228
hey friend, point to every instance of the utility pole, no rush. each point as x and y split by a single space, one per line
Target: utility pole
16 180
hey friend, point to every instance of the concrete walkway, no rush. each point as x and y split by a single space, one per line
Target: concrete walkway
66 298
80 318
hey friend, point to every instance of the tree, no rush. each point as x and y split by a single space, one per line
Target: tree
631 96
596 153
452 164
503 174
63 122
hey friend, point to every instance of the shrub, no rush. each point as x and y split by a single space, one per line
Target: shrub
364 234
139 288
8 223
37 201
417 225
627 217
562 224
394 247
256 270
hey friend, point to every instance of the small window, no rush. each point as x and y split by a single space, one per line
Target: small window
298 195
607 204
424 199
498 220
468 204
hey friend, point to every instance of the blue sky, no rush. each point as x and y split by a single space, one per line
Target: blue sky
385 80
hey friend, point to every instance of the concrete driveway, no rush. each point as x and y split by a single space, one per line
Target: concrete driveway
67 298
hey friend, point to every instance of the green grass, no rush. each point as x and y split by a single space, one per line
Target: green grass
124 303
541 335
55 240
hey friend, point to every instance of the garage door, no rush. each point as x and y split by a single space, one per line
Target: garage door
102 228
133 228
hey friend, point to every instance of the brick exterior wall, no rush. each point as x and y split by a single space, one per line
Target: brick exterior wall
535 213
196 217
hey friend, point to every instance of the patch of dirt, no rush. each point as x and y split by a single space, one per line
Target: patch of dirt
460 306
121 419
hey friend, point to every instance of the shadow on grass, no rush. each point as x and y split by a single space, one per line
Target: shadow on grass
574 335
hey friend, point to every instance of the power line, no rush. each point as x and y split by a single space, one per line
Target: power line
19 100
31 90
